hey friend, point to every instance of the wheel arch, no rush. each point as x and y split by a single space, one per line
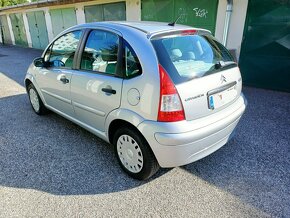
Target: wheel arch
119 118
27 82
29 79
117 124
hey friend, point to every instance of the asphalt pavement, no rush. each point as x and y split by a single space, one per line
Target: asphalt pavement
50 167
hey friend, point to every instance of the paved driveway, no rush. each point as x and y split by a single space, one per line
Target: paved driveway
51 167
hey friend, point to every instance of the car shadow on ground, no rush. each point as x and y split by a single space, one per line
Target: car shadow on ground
255 165
51 154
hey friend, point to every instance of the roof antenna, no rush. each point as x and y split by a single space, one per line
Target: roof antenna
173 23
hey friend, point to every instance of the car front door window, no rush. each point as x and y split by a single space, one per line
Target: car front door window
61 53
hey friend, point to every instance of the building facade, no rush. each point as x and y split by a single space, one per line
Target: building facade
251 29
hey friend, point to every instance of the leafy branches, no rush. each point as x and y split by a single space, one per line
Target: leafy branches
4 3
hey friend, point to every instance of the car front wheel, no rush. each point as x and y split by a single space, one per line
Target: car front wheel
36 101
134 154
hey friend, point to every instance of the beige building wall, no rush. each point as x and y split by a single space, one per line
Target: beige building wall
220 19
26 25
237 23
10 29
133 13
133 10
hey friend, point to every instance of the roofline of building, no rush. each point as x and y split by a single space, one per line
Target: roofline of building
40 4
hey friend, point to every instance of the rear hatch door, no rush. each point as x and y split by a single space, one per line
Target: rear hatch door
202 69
207 95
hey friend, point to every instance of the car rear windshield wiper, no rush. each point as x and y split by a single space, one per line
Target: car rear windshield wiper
222 64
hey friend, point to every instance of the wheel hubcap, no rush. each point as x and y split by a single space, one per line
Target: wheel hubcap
130 153
34 99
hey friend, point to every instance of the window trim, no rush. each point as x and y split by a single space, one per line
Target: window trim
119 68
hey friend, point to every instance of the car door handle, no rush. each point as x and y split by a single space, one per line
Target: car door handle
64 79
109 90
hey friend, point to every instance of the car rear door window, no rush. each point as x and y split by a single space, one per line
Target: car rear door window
61 53
101 52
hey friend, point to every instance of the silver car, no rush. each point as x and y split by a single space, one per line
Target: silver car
163 95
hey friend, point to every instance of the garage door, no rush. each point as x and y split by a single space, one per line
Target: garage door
62 19
105 12
195 13
38 30
18 29
5 29
265 51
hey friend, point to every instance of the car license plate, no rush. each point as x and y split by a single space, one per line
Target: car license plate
221 98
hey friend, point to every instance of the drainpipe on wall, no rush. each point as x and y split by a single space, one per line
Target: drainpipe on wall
227 21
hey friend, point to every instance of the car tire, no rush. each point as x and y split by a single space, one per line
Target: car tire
35 101
134 154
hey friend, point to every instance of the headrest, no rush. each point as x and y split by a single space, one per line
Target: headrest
107 56
189 55
176 53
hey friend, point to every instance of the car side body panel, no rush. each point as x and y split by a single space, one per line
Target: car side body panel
91 104
55 92
147 84
30 76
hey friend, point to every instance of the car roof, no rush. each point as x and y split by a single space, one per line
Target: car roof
153 27
147 27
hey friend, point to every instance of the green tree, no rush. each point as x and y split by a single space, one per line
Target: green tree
4 3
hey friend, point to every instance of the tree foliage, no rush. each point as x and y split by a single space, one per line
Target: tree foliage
4 3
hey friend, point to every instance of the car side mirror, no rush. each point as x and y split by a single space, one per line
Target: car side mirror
39 62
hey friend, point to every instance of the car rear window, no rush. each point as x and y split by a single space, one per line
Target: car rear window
186 57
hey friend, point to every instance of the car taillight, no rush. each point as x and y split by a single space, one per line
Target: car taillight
170 106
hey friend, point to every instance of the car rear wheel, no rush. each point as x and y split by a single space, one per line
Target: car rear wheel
134 154
35 100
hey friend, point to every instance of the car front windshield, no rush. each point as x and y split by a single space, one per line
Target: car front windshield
186 57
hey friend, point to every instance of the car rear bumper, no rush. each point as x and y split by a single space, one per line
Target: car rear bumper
180 143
